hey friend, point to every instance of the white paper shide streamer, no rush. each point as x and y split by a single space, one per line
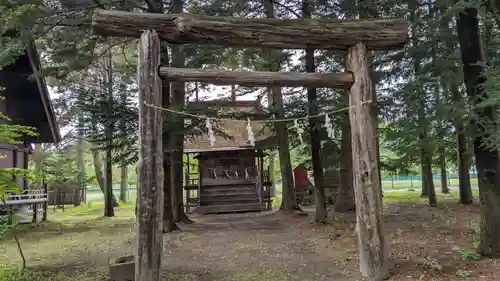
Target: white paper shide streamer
329 127
299 130
211 135
251 137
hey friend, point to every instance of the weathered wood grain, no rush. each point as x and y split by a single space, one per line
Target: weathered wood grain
258 78
373 246
150 168
376 34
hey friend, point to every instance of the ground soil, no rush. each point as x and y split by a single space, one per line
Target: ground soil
426 244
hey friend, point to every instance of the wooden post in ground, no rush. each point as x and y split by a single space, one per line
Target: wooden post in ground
46 203
150 176
34 218
373 247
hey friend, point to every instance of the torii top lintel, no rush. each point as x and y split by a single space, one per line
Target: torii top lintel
376 34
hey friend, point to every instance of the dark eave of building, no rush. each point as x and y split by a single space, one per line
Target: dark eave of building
27 99
34 58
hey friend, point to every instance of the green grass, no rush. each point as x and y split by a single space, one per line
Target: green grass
66 237
97 196
413 197
407 184
15 275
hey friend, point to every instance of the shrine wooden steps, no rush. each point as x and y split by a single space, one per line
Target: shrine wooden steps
230 198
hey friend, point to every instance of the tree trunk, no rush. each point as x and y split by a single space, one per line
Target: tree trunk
383 34
109 198
345 197
149 246
425 151
444 176
428 189
258 78
379 163
98 169
464 186
330 160
314 133
425 185
80 164
176 165
109 210
123 168
429 151
124 184
169 224
233 92
426 158
441 131
288 202
372 243
441 96
177 131
487 161
272 178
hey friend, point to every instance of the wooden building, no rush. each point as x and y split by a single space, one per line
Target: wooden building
229 176
25 100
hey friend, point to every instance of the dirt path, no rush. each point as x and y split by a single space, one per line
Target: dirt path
265 246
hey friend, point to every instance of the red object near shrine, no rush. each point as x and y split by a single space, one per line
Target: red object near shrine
300 178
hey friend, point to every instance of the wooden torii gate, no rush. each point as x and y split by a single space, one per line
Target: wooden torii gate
355 36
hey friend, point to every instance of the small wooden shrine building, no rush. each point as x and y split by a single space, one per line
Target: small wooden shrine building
229 176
